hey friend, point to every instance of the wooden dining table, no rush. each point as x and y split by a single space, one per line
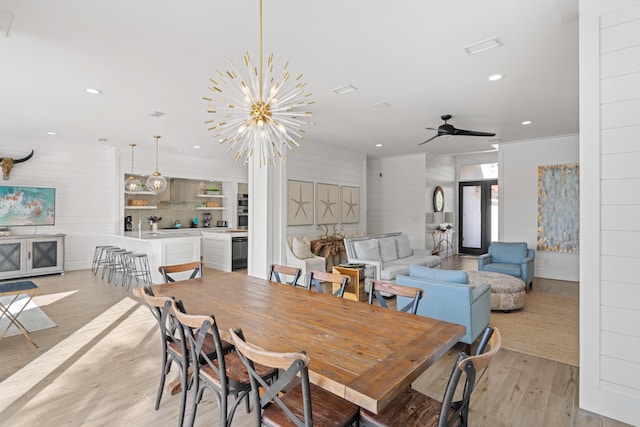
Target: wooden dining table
364 353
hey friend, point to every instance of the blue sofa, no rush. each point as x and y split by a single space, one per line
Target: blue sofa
512 258
449 297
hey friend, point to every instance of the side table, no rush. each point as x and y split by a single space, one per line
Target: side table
355 288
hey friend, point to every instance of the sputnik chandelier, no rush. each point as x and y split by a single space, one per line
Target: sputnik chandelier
259 114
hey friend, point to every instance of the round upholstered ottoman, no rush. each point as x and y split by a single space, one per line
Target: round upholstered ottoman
507 292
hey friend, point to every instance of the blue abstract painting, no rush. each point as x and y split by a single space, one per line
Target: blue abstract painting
27 206
559 208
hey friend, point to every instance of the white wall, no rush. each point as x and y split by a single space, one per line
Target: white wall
324 164
610 207
518 193
397 197
85 194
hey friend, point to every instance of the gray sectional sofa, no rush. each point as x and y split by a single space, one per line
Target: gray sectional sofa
386 255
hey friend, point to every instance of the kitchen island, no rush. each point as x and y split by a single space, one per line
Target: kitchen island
179 245
162 247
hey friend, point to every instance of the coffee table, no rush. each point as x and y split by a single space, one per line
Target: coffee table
15 289
508 293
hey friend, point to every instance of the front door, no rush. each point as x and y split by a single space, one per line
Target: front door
478 216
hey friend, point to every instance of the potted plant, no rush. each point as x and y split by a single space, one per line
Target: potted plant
212 190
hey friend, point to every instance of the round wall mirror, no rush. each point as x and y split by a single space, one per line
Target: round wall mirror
438 199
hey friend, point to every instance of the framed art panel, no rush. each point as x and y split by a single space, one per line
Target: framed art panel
300 203
327 203
559 208
350 205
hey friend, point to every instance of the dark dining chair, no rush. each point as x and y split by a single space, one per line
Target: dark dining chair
276 270
378 286
194 267
414 409
224 376
292 400
174 349
315 278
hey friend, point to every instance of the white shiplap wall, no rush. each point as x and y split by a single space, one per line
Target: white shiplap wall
396 197
83 178
610 207
318 163
518 193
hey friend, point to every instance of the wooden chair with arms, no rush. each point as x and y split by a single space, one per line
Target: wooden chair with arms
316 277
195 268
224 376
294 407
413 408
378 286
276 270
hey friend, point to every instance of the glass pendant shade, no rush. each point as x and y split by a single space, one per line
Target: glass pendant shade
132 184
156 182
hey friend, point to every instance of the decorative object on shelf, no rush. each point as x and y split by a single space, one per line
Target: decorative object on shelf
5 232
300 205
212 190
138 202
327 203
156 182
438 199
350 205
132 184
7 164
258 116
212 204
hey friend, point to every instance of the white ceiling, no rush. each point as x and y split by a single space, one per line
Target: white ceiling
157 55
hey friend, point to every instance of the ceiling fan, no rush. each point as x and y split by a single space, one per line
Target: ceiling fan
447 129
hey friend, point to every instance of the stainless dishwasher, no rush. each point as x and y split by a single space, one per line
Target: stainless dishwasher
239 249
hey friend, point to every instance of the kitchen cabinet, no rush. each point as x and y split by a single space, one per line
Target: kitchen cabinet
217 250
23 256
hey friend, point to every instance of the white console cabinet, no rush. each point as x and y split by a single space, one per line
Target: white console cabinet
23 256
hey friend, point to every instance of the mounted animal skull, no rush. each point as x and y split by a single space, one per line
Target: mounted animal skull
7 163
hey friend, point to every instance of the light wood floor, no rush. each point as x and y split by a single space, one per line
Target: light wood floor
100 366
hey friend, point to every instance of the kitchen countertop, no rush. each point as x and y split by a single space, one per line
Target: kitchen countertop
172 233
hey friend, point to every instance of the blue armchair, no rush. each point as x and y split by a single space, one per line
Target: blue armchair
449 297
512 258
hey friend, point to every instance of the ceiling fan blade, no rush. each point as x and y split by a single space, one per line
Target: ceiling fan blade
431 128
430 139
472 133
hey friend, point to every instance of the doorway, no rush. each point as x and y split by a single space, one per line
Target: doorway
478 202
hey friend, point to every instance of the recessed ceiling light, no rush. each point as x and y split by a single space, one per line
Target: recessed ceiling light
343 90
156 113
527 122
382 105
197 147
378 145
93 91
495 77
311 123
52 133
481 46
102 139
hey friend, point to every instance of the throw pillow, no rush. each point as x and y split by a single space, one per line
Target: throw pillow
302 248
403 246
387 249
367 249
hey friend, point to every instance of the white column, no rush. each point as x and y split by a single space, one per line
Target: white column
267 217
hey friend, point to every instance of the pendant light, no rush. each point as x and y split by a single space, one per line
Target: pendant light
156 182
132 184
